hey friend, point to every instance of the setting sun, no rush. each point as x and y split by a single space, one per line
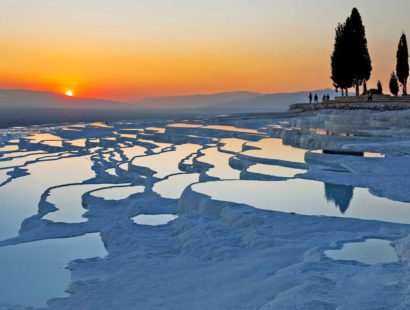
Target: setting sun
69 93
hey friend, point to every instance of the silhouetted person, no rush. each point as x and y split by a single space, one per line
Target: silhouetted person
370 97
310 98
324 99
328 98
316 99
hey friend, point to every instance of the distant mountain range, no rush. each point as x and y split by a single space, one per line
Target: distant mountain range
26 107
230 102
195 101
22 98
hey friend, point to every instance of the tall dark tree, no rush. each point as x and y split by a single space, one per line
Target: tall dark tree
359 58
402 67
379 88
394 84
341 73
351 63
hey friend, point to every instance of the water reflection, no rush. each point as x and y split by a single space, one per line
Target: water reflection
231 128
175 185
118 192
165 164
307 198
68 201
19 199
233 144
275 170
273 148
340 195
31 273
154 219
371 251
220 162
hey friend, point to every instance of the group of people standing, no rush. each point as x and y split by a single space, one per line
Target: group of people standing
325 98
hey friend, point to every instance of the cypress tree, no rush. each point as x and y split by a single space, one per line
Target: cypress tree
379 88
341 74
394 84
402 67
359 59
350 61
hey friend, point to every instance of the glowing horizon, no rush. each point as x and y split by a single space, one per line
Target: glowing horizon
132 50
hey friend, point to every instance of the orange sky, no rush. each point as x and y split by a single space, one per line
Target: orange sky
131 49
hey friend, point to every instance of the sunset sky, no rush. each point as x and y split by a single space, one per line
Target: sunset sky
128 49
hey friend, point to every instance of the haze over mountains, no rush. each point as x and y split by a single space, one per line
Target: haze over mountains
25 107
230 102
21 98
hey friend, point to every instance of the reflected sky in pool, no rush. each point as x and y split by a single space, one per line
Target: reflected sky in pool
31 273
274 170
184 125
9 148
20 154
37 268
111 171
38 137
220 162
166 163
371 251
78 142
308 198
131 152
18 161
26 192
231 128
233 144
273 148
154 219
175 185
118 193
68 201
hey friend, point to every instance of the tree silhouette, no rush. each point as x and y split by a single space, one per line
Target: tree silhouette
341 74
340 195
394 84
350 61
379 88
359 59
402 67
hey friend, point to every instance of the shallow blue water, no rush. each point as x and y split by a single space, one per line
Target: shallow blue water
308 198
31 273
19 199
36 270
370 251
